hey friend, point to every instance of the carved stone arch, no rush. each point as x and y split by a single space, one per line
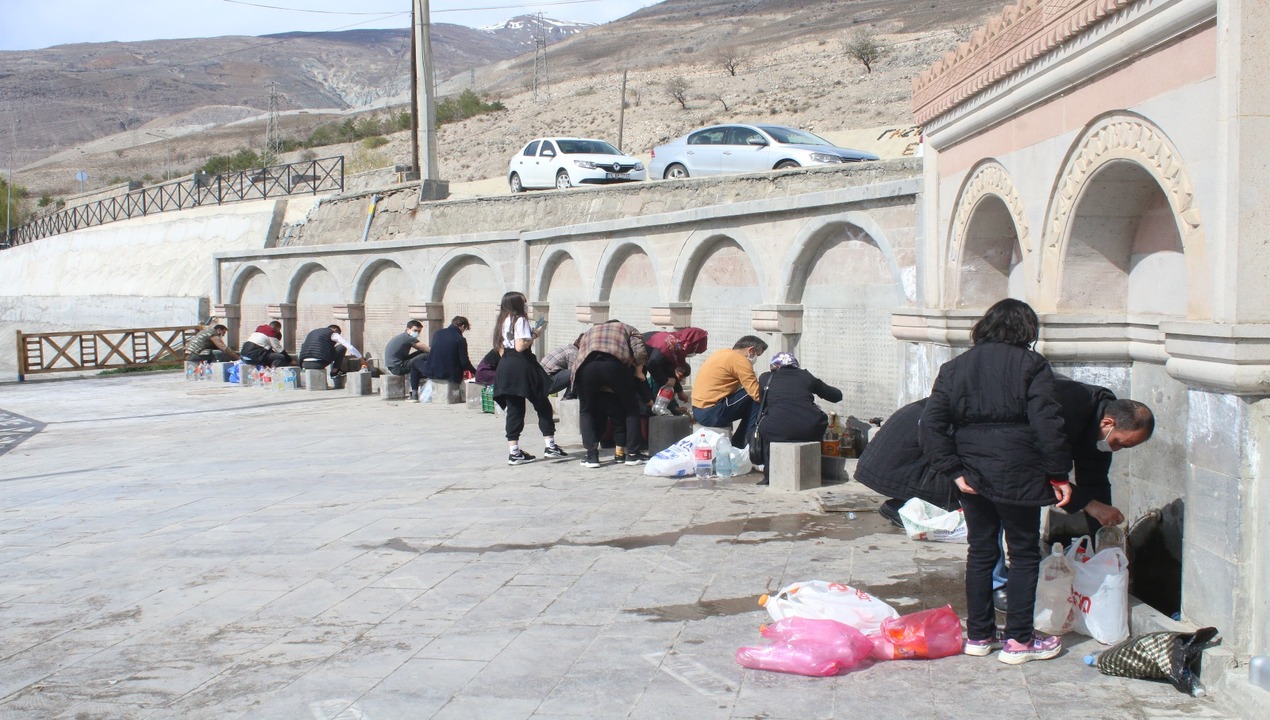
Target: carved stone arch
614 255
300 274
238 285
987 183
699 245
454 259
808 245
551 260
1124 137
367 273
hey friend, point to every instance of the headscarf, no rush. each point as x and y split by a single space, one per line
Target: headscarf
783 359
678 345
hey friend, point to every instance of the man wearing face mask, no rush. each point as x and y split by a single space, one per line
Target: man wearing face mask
406 354
726 388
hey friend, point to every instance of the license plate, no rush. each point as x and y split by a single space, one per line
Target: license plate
617 176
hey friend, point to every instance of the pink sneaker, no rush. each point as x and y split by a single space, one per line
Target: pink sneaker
979 648
1042 647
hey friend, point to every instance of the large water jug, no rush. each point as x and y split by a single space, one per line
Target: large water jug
703 454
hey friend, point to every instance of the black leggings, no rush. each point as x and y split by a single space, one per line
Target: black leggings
515 406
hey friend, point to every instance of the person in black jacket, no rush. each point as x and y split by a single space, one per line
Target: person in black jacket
326 347
448 358
789 413
993 423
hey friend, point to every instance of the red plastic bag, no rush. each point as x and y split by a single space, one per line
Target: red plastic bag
928 634
807 646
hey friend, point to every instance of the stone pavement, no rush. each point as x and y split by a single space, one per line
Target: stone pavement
187 550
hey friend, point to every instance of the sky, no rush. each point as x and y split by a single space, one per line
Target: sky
32 24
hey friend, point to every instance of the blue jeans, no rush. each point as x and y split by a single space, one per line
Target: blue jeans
737 406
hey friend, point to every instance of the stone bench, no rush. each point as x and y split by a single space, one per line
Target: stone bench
314 379
392 387
793 466
570 424
360 383
666 430
445 392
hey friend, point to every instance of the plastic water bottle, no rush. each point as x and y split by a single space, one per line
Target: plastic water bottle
664 395
723 463
703 453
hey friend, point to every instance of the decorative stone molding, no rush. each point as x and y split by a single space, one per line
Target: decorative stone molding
593 313
1101 338
783 319
1021 33
941 327
673 315
350 312
231 315
990 179
1226 358
427 312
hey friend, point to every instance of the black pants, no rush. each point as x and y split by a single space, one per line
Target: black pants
254 354
599 371
336 363
515 407
415 370
1022 525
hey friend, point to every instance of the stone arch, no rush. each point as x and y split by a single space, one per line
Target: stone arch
989 246
561 285
238 284
368 271
1119 150
456 260
611 262
385 291
299 275
699 246
629 284
253 305
317 309
849 280
466 283
808 247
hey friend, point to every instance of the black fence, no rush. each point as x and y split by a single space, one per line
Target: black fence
312 177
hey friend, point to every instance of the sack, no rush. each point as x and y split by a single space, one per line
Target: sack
1054 613
425 392
677 460
804 646
1100 597
829 601
930 634
1170 656
924 521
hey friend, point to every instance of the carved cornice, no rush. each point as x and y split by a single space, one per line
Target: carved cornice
1020 34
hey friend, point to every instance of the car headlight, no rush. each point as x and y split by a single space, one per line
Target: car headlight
639 165
584 164
825 158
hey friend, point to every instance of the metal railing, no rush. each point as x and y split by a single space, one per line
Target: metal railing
87 350
314 176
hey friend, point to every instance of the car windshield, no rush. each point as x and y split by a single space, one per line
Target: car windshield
589 147
790 136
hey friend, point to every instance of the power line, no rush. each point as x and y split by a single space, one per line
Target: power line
521 6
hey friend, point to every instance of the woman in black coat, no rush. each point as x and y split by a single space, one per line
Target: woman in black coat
993 423
790 413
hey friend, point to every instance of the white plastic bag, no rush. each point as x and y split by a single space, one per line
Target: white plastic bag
425 392
741 464
1054 613
829 601
1100 597
677 460
924 521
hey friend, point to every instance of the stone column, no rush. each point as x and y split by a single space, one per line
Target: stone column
593 313
673 315
432 315
231 316
285 314
352 318
786 321
539 309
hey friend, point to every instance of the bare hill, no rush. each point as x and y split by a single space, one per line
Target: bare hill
792 70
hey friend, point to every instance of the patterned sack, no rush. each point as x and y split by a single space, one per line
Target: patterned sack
1170 656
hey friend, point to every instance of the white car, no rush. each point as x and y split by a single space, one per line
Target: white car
565 162
723 149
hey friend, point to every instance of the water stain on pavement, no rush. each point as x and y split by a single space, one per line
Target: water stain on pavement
934 584
699 610
740 531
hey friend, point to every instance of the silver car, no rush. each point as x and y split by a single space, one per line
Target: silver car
565 162
724 149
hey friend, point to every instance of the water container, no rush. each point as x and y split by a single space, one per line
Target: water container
723 459
190 370
1259 671
1109 536
664 395
703 454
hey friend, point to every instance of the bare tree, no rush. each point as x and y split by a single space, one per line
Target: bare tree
863 46
729 58
677 88
719 99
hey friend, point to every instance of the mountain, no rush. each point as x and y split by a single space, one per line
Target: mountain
59 97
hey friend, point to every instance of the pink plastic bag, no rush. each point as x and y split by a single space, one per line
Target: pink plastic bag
806 646
934 633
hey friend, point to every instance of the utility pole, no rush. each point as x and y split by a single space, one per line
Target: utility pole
167 175
431 187
273 134
621 113
542 86
8 200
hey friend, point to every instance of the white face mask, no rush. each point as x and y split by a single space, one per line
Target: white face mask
413 333
1103 445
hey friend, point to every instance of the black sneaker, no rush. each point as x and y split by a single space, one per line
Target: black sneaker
619 455
636 458
592 459
554 451
520 457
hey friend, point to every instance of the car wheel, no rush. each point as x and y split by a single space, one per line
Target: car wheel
675 172
515 183
786 164
562 180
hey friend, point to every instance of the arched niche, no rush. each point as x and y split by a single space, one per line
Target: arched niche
468 286
386 293
562 287
723 286
630 286
988 241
